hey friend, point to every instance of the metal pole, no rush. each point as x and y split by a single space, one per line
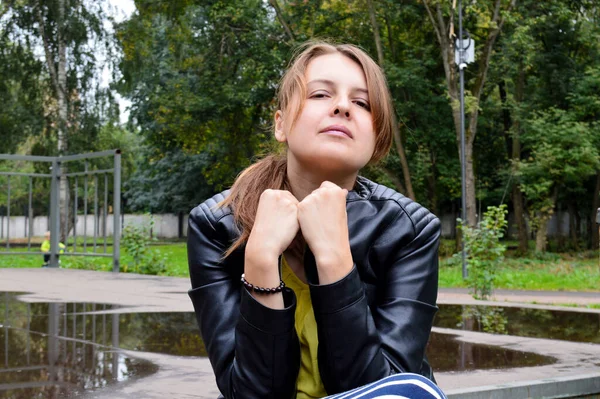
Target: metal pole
8 216
6 324
28 333
105 207
30 214
117 212
95 210
53 343
54 215
115 345
75 217
462 138
85 195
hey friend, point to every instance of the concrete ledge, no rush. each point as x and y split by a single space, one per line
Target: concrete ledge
561 387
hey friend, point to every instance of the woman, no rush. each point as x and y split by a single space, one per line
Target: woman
307 279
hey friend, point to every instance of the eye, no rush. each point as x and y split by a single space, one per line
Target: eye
363 104
319 94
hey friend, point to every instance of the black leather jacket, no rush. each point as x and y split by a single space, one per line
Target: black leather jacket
374 322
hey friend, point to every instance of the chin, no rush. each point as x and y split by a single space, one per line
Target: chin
342 165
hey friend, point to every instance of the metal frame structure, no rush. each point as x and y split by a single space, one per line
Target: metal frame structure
54 220
69 346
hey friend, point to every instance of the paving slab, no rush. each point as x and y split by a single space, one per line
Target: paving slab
191 377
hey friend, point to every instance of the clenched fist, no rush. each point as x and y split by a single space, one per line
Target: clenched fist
324 224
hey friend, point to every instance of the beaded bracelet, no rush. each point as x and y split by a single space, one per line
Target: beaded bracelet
261 290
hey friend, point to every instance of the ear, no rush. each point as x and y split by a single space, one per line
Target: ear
279 130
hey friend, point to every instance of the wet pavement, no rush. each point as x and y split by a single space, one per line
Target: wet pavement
566 324
45 342
39 358
157 334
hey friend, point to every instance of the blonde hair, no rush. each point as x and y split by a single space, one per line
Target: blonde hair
271 171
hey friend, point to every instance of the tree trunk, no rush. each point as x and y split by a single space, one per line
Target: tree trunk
542 222
281 20
392 176
432 184
572 210
62 121
396 131
470 185
57 69
444 31
596 204
376 35
542 232
517 198
403 161
513 149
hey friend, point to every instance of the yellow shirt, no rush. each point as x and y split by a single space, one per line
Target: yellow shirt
45 247
309 384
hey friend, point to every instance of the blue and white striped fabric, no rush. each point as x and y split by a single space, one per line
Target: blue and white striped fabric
397 386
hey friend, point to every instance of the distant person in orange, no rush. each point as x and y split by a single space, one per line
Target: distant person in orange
45 248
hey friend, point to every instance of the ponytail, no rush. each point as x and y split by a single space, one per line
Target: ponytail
268 173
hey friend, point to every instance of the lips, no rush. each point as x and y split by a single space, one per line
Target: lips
339 129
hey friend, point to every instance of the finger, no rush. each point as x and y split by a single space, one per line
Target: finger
290 196
328 184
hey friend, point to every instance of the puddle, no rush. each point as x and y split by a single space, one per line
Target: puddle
564 325
58 350
447 354
41 358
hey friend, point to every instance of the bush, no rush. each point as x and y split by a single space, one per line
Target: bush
447 248
484 252
490 319
136 242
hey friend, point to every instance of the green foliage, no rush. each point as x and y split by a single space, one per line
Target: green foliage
22 92
171 183
490 319
484 250
89 47
562 155
136 242
202 80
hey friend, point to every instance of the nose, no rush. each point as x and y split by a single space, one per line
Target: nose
338 110
342 107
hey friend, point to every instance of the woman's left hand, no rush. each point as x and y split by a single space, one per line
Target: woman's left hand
324 224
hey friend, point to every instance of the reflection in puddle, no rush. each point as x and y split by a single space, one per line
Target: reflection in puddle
59 350
525 322
447 354
47 353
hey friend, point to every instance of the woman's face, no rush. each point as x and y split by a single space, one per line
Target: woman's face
333 133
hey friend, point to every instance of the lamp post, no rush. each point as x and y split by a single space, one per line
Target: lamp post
464 53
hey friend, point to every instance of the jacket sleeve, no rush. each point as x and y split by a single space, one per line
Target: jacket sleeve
253 350
361 344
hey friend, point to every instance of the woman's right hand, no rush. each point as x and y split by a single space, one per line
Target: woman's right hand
275 227
275 224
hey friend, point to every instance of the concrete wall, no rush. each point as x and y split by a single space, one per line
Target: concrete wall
167 225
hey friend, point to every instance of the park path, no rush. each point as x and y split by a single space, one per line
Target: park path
192 377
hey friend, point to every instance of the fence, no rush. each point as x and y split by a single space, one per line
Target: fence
84 180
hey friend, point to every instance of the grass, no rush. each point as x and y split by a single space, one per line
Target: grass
175 255
555 273
552 272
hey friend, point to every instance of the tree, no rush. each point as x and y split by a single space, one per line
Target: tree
202 77
22 93
562 156
545 51
68 31
490 18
